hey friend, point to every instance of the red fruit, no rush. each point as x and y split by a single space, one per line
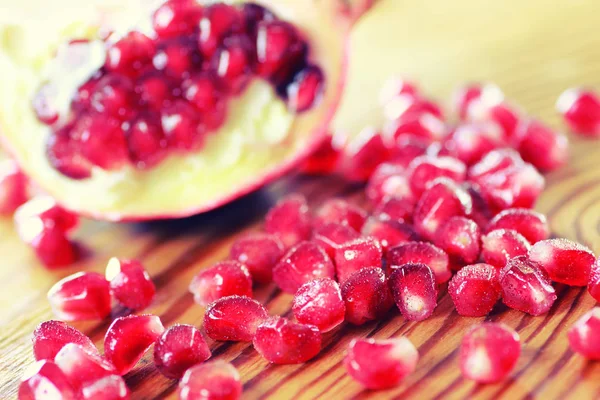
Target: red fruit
500 245
531 224
305 90
389 181
281 341
51 336
176 17
218 20
146 142
420 253
111 98
542 147
583 337
289 220
580 109
232 62
13 187
340 212
181 125
594 283
325 158
203 92
81 296
360 253
481 212
396 86
363 154
407 147
394 209
489 352
564 261
128 338
414 290
176 59
130 283
388 233
130 54
331 236
111 387
319 303
526 287
460 237
278 49
470 142
44 380
381 364
234 318
52 247
153 91
495 161
425 169
259 252
225 278
475 290
82 368
420 124
480 95
179 348
51 215
367 296
212 380
302 263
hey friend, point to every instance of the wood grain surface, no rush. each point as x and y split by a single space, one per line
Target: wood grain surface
533 50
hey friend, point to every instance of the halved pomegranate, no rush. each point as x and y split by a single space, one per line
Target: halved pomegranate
176 111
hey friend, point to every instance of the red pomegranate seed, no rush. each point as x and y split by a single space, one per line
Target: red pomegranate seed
481 212
111 97
319 303
203 92
414 290
364 252
306 89
176 17
340 211
389 181
420 124
179 348
500 245
407 104
289 220
489 352
460 237
253 14
324 160
564 261
396 86
80 367
130 54
487 94
181 125
234 318
219 20
594 283
580 109
232 62
130 283
331 236
442 200
471 141
495 161
212 380
44 380
176 58
541 146
302 263
44 208
51 336
425 169
94 134
81 296
259 252
44 104
282 341
128 338
367 296
111 387
363 154
278 48
475 290
526 287
531 224
381 364
225 278
153 91
13 187
407 147
394 209
388 233
583 337
51 245
421 253
146 142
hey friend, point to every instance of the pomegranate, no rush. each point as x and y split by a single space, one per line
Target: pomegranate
594 283
130 283
82 368
13 187
582 335
289 220
564 261
341 212
211 380
460 238
422 253
319 303
529 223
331 236
234 318
580 109
367 296
225 278
475 289
282 341
51 336
501 245
414 290
82 296
44 379
541 146
179 348
259 252
357 254
111 387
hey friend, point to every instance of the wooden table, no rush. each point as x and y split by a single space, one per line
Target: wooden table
533 50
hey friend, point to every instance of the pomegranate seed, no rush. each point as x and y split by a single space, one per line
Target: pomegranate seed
495 161
13 187
219 20
146 142
425 169
396 86
176 17
421 253
324 160
340 212
486 94
80 367
52 247
289 220
233 63
128 338
407 147
130 54
360 253
367 296
526 287
111 97
253 14
489 352
153 91
423 125
500 245
331 236
94 134
582 335
44 380
564 261
541 146
130 283
203 92
319 303
278 48
381 364
51 336
302 263
475 290
531 224
363 154
176 59
388 233
594 283
225 278
181 126
389 181
407 104
282 341
212 380
394 209
234 318
471 141
111 387
481 212
460 237
81 296
44 104
414 290
179 348
259 252
580 109
306 89
44 208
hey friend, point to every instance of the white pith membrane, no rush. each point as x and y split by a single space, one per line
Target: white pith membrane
259 140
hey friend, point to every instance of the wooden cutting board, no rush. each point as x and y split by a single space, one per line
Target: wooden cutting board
533 51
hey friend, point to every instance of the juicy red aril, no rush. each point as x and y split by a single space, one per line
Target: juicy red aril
487 93
367 296
128 338
225 278
176 17
234 318
495 161
460 237
470 142
153 90
146 142
51 336
179 348
422 125
176 58
43 104
259 252
475 289
82 296
130 54
407 105
211 380
289 220
81 367
111 387
594 283
388 233
421 253
44 380
526 287
363 154
302 263
396 86
130 283
218 20
583 335
13 187
360 253
394 209
319 303
407 147
340 212
580 109
500 245
277 48
531 224
424 169
181 125
489 352
542 147
564 261
331 236
389 180
323 160
414 290
305 90
50 214
53 248
381 364
233 62
282 341
203 92
111 97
